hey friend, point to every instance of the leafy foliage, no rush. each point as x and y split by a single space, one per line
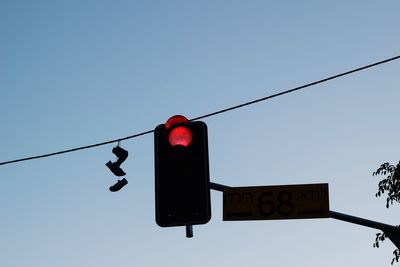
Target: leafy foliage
390 185
380 237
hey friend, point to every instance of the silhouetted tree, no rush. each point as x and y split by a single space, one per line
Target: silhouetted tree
390 185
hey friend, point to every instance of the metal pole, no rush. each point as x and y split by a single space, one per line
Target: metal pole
393 232
189 231
218 187
368 223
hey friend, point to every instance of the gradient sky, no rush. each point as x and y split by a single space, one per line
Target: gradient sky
73 73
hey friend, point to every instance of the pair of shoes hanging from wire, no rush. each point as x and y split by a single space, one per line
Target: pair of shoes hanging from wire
115 167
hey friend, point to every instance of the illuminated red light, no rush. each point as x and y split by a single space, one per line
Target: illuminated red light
179 135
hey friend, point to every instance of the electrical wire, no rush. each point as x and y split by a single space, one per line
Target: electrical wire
210 114
77 148
297 88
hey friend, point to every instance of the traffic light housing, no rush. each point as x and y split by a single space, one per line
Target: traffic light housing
182 180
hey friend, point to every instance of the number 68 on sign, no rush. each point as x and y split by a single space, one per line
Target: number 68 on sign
303 201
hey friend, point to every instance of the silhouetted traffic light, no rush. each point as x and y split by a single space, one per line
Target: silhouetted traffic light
182 180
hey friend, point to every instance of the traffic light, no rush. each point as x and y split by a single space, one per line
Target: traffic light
182 180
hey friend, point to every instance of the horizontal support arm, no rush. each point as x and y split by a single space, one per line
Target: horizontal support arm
218 187
368 223
393 232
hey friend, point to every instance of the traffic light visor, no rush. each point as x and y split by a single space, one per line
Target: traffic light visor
174 120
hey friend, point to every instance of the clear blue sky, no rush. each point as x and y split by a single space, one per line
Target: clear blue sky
74 73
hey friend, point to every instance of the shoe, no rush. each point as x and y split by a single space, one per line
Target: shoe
121 153
118 185
114 168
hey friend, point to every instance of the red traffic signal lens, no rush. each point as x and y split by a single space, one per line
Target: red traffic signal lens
174 120
180 136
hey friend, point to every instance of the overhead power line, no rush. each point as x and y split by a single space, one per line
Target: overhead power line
297 88
210 114
77 148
